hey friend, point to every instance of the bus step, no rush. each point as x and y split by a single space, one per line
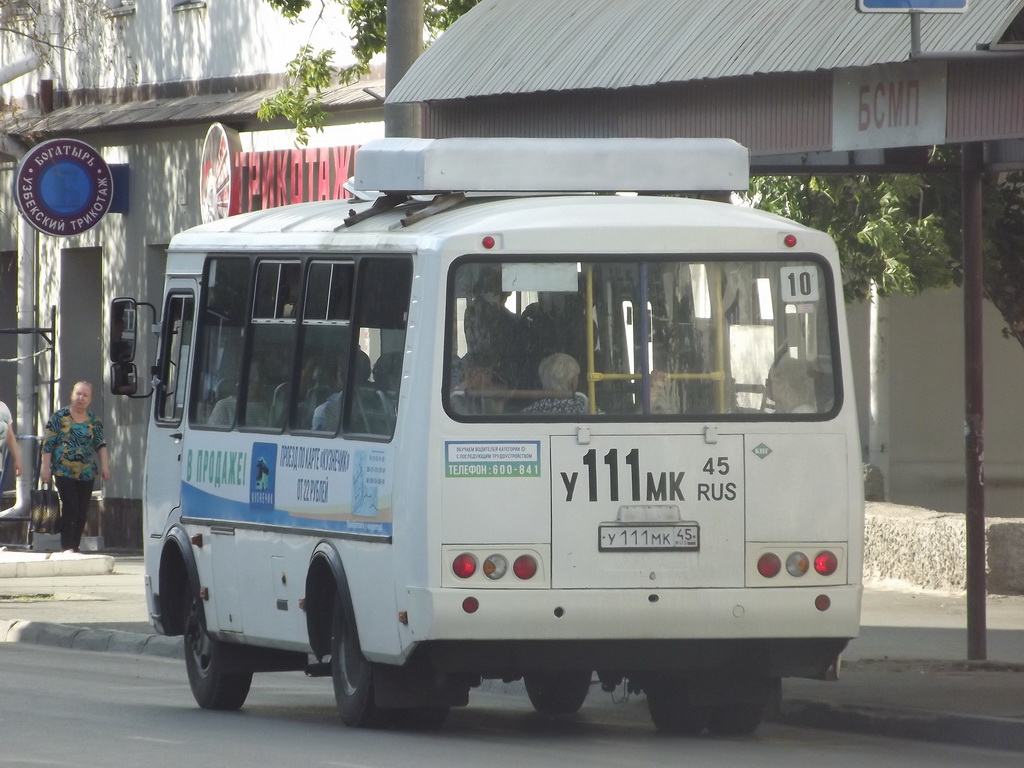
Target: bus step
319 669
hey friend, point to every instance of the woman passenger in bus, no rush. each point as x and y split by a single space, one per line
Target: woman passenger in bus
559 373
791 387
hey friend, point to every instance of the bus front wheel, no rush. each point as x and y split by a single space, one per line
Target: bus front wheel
205 659
352 675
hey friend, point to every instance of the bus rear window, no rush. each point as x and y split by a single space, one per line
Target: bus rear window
660 339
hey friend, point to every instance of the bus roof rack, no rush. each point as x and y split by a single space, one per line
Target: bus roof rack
432 166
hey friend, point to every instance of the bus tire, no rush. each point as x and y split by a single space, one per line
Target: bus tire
739 718
418 718
352 675
205 658
671 710
558 693
742 715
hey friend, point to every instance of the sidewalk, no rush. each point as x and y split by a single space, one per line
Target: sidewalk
905 676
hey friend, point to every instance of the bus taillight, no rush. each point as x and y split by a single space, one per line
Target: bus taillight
769 565
826 563
525 567
464 566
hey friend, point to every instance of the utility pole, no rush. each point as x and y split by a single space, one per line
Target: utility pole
973 169
404 45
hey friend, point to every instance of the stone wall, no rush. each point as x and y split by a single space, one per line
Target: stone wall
928 549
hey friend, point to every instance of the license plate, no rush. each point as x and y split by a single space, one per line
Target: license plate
649 538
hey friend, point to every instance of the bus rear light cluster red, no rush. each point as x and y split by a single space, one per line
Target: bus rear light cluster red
825 562
464 565
495 567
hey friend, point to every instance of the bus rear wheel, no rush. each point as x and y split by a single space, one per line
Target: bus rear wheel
352 676
743 713
205 661
671 710
558 693
418 718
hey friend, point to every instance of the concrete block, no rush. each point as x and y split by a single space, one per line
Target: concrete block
1004 559
92 544
46 542
928 549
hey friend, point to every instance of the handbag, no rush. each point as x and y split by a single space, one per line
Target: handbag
45 513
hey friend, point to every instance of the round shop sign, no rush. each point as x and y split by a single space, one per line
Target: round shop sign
63 187
219 185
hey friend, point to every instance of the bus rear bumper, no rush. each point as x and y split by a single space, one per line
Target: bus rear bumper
783 632
445 614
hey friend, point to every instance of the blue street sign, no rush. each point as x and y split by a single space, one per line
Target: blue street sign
908 6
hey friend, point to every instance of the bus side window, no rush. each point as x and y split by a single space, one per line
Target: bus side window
269 393
381 314
174 356
325 340
221 341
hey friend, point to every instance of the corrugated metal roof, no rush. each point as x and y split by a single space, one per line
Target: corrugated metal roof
186 110
527 46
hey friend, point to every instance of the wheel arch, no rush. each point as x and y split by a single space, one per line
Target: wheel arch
327 590
177 581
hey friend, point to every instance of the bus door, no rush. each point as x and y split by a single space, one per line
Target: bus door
166 432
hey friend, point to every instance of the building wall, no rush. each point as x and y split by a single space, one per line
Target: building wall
124 255
148 42
926 393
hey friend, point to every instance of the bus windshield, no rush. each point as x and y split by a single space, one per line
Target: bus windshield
675 339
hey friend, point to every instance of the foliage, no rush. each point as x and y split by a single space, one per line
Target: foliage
311 72
878 222
903 232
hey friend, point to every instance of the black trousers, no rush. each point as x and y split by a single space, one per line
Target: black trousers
75 496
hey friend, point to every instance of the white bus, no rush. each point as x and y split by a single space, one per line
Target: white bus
517 414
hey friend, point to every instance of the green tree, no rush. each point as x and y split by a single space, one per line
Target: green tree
311 71
903 232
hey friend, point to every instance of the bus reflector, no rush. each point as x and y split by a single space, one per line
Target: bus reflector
826 563
470 605
822 602
769 565
464 566
797 564
789 241
495 567
525 567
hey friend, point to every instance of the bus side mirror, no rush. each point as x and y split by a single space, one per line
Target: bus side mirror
124 379
123 325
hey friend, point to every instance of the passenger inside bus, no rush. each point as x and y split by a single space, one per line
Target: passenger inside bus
327 415
559 376
492 332
387 374
790 386
225 409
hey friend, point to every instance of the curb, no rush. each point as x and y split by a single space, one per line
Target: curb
80 638
45 564
989 732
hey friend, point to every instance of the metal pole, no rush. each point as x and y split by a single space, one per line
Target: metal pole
973 162
404 45
915 34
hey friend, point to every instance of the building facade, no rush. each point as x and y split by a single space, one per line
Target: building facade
142 84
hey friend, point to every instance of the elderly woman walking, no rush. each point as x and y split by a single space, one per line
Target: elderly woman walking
72 447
